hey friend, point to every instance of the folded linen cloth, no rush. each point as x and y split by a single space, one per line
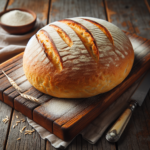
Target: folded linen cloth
10 45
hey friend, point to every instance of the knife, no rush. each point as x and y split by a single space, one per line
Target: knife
137 98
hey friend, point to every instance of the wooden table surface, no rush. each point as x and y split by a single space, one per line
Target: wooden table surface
130 15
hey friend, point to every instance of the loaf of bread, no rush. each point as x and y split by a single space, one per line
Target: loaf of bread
78 57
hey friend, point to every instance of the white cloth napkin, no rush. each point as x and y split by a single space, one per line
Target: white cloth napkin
10 45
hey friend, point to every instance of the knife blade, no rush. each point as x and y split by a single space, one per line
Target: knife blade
137 98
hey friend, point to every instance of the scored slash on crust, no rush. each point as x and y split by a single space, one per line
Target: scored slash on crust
83 33
63 35
85 36
103 29
50 49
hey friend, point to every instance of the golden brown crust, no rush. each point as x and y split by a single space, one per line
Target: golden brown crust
101 27
81 76
50 48
85 36
63 35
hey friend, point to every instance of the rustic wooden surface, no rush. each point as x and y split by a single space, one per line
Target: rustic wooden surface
130 15
67 117
137 134
27 141
2 4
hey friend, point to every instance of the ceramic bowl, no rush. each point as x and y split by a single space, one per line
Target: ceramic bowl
22 29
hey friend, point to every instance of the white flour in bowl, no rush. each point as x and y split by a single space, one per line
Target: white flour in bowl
16 18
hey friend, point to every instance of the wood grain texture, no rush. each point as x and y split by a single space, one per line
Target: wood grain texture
9 67
15 67
47 113
137 134
10 93
38 6
14 73
9 61
26 106
147 3
67 9
3 5
32 142
4 128
134 42
80 144
132 16
27 142
4 109
104 145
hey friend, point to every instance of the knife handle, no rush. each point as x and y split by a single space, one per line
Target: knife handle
116 131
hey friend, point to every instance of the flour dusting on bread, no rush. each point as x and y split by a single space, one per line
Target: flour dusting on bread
78 57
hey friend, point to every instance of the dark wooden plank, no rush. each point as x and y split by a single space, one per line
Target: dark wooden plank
80 144
104 145
32 142
10 64
147 3
10 71
38 6
26 106
132 16
49 146
28 142
15 73
137 134
73 113
84 144
143 53
47 113
11 93
134 42
146 110
4 111
9 61
73 145
3 5
9 67
66 9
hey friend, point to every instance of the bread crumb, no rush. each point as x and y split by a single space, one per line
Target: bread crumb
18 139
5 120
23 128
29 131
23 120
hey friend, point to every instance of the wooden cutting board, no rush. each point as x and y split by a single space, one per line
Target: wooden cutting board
67 117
